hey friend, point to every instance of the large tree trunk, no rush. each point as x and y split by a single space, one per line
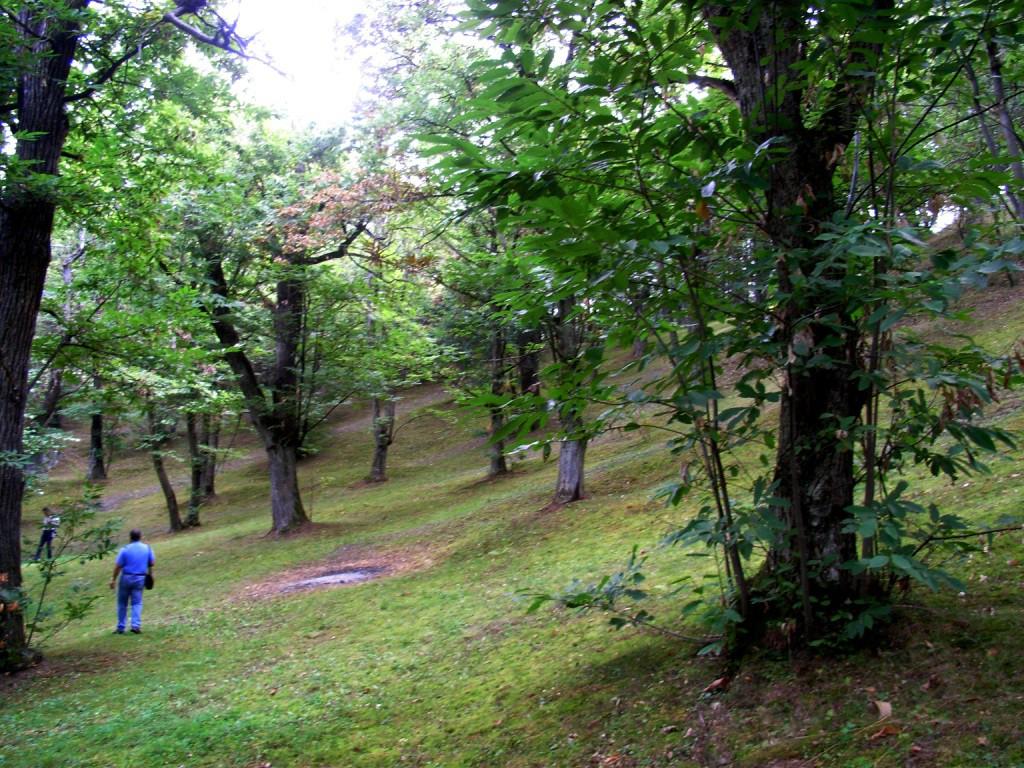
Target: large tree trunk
285 501
276 424
24 255
26 224
814 467
383 436
816 475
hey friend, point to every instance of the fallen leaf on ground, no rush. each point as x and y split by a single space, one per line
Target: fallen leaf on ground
717 685
884 731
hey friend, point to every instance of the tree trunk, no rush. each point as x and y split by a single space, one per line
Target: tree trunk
566 343
986 134
196 462
569 486
97 465
1013 146
173 516
24 253
49 415
814 468
496 448
383 437
285 501
26 224
276 424
498 464
211 439
157 439
816 475
528 344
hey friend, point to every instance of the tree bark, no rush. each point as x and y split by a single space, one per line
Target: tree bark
383 437
285 500
97 465
196 463
157 439
814 468
276 422
26 223
210 437
569 486
567 341
1013 144
529 361
498 464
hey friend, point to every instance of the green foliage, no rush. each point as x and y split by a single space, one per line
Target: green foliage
664 216
81 538
39 446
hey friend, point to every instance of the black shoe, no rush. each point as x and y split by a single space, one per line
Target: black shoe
136 631
118 631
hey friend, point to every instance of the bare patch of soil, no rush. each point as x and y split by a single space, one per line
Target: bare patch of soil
354 564
60 666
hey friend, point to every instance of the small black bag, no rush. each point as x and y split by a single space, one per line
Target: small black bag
149 581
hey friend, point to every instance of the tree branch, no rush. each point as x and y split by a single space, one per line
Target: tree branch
223 35
728 87
341 250
111 69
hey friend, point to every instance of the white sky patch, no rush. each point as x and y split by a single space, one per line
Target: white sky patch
304 40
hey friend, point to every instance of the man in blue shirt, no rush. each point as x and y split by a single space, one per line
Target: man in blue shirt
133 562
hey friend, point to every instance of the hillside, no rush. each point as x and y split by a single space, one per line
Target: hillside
431 660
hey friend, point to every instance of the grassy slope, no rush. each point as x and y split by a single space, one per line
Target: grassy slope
438 665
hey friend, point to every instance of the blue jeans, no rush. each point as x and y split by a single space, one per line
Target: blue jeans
130 589
45 540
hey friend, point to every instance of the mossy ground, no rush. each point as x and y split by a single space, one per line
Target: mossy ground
438 664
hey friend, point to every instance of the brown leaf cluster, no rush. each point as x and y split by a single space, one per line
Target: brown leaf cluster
333 208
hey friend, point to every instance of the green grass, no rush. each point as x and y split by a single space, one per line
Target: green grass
438 664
